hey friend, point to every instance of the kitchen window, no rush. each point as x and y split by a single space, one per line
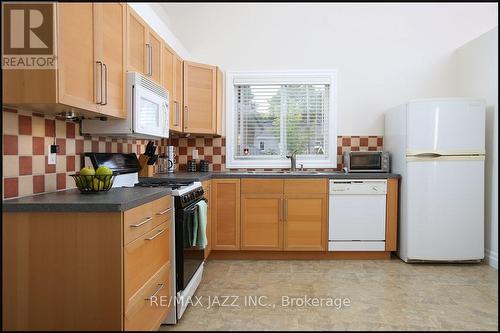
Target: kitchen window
270 115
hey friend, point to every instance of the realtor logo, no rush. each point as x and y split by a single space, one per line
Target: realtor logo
28 35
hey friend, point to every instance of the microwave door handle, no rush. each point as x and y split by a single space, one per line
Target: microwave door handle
133 125
165 122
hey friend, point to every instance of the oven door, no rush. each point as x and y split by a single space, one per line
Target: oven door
188 257
150 112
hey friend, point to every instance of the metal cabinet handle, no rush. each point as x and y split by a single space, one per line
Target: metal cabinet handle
186 117
105 84
176 114
155 235
99 86
150 60
286 209
281 210
164 212
148 57
141 223
160 287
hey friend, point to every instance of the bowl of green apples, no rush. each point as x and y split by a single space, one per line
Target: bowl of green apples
89 180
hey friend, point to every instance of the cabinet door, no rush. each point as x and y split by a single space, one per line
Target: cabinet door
261 222
178 93
110 48
76 55
207 187
136 42
305 218
220 128
226 214
155 60
168 78
200 98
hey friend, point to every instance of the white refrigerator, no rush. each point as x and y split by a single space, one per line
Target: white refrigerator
438 147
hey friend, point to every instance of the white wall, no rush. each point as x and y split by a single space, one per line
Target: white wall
159 24
477 70
385 54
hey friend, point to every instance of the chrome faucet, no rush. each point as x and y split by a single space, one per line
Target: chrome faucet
293 160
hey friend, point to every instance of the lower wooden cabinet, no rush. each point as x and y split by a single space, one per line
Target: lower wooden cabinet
145 310
226 214
306 221
261 222
87 271
276 214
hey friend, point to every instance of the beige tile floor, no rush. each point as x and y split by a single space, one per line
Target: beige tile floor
383 295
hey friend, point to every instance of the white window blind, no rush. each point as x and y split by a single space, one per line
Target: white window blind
273 120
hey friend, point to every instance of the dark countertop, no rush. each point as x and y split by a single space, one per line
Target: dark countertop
121 199
115 200
202 176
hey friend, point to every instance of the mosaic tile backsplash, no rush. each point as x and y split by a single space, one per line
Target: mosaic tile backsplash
26 138
214 150
27 135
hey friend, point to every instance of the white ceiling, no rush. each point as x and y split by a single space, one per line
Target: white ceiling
199 24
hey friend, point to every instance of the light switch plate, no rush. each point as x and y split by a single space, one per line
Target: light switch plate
51 159
195 154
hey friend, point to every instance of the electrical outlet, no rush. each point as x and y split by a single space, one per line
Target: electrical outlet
51 159
195 154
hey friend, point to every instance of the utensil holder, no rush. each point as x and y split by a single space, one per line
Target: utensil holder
146 170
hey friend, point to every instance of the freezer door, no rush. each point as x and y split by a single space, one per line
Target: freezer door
445 209
447 127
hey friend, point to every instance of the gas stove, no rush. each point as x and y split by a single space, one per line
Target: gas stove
185 193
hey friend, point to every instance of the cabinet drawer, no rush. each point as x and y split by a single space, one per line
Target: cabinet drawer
139 220
144 256
306 186
162 210
149 306
266 186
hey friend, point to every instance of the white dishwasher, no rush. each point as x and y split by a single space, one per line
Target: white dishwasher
357 215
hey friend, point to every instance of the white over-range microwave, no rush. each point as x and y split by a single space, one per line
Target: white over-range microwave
147 112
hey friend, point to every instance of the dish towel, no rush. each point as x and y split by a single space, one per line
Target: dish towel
200 225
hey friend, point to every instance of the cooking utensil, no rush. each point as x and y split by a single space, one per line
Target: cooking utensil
152 160
150 149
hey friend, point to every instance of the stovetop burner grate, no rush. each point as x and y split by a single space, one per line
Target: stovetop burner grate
166 183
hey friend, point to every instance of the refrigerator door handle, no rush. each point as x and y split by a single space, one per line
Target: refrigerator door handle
428 155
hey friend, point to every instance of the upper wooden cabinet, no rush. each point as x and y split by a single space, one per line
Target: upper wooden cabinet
155 48
144 47
202 99
137 31
172 81
168 56
110 41
178 93
225 214
90 65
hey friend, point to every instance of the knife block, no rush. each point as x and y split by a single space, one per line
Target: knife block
146 170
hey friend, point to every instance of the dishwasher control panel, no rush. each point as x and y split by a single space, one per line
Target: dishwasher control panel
358 186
